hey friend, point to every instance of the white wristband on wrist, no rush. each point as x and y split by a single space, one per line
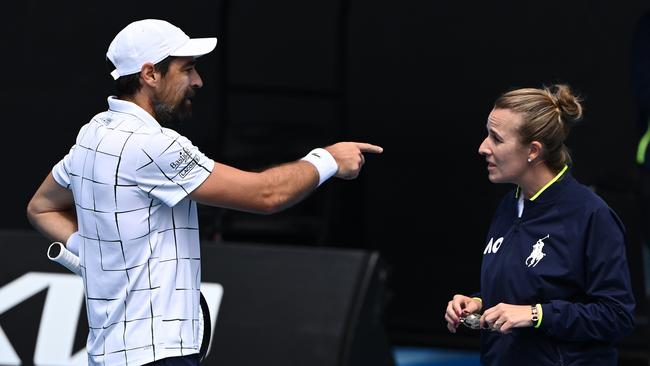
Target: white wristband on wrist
324 163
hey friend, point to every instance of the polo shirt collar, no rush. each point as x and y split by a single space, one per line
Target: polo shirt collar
550 189
123 106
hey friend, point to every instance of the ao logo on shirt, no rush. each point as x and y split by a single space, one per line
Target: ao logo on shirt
493 246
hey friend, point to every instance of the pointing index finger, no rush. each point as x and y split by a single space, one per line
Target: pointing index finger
369 148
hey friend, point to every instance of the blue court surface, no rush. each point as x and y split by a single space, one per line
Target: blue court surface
418 356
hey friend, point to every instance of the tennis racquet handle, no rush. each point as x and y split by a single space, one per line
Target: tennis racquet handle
58 253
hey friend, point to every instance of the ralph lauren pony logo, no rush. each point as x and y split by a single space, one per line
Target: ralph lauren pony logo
536 255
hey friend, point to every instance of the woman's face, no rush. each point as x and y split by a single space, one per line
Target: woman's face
505 155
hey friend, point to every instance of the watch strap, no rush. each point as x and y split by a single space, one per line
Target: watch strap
536 315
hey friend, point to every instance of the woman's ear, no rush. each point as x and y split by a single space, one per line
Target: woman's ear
534 151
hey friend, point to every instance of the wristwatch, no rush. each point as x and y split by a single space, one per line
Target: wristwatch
534 314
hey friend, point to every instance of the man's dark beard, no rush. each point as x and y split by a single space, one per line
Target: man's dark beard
172 116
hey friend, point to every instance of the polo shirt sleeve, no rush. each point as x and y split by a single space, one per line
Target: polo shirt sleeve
606 314
61 171
170 167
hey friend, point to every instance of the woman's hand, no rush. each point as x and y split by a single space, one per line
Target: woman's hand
504 317
458 306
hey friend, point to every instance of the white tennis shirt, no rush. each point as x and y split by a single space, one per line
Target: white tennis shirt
138 235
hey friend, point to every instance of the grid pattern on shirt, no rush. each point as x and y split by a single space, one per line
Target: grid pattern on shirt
139 253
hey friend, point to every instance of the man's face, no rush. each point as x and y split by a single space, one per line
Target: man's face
172 101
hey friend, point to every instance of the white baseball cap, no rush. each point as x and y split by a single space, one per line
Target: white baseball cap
152 40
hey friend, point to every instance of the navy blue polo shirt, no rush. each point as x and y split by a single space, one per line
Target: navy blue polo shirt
567 253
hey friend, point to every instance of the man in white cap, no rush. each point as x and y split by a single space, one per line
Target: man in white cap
124 199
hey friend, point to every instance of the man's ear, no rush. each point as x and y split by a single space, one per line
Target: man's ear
149 74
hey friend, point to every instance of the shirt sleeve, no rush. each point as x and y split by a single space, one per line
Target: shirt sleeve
61 171
170 167
607 312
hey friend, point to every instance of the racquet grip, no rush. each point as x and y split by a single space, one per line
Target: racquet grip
58 253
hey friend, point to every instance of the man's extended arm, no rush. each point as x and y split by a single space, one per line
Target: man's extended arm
280 187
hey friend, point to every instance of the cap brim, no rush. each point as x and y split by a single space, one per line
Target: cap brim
196 47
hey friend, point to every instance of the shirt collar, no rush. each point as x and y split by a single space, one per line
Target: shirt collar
124 106
547 185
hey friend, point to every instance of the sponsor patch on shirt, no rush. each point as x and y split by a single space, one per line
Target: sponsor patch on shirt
188 168
183 156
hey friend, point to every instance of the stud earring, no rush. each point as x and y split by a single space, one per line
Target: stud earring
529 160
